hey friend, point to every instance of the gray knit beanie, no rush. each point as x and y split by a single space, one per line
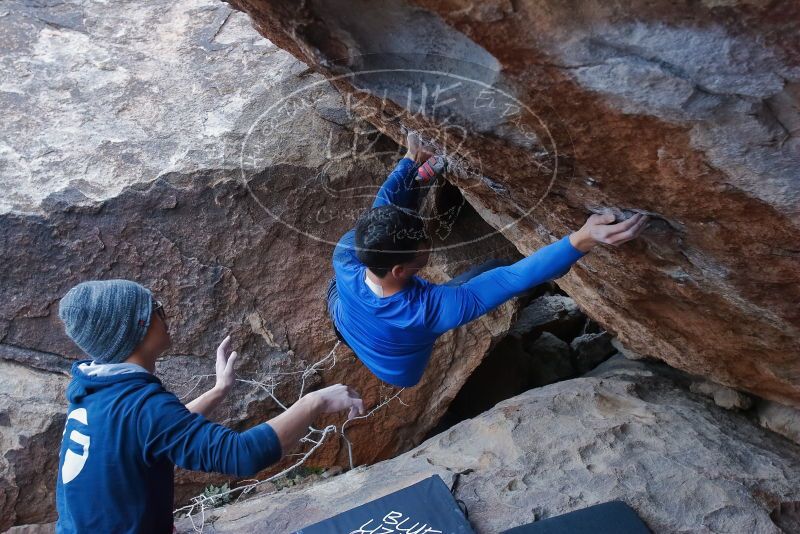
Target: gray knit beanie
106 318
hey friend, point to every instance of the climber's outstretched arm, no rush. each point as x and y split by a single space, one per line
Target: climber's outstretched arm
451 306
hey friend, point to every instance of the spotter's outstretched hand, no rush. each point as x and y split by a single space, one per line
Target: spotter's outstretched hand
224 366
337 398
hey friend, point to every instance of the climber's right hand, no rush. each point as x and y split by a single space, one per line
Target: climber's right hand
599 228
337 398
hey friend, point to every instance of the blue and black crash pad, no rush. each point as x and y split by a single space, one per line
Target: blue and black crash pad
614 517
426 507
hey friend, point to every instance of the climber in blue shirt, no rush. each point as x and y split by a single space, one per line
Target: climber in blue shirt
124 432
390 317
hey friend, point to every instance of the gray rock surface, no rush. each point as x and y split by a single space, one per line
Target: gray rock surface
99 97
630 432
32 416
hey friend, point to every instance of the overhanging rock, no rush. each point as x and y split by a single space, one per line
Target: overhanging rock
551 110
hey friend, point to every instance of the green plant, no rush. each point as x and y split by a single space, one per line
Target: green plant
217 495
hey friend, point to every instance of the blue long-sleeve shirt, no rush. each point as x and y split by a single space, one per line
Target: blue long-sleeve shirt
123 436
394 336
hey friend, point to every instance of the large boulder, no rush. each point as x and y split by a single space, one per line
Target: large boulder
550 110
631 431
170 144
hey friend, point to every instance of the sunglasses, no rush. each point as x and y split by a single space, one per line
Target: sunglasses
158 308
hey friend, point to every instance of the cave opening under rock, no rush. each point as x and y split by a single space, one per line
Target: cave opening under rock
550 340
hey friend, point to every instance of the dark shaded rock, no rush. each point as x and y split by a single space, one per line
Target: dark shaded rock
592 327
514 365
550 360
506 371
590 350
556 314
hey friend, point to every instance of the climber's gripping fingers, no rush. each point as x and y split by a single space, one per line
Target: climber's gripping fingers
616 234
432 168
600 228
417 150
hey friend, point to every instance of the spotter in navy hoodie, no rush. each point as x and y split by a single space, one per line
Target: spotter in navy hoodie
123 436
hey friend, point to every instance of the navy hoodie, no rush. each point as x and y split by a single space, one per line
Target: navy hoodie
123 436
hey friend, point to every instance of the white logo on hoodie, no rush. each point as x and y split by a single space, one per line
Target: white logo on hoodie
73 463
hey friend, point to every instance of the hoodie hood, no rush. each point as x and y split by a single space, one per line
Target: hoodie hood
88 378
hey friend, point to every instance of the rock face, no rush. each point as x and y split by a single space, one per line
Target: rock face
632 431
170 144
590 350
557 314
779 418
32 419
550 110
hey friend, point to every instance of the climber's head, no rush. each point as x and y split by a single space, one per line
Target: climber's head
392 241
110 320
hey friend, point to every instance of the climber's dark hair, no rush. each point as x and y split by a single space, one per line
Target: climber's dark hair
387 236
